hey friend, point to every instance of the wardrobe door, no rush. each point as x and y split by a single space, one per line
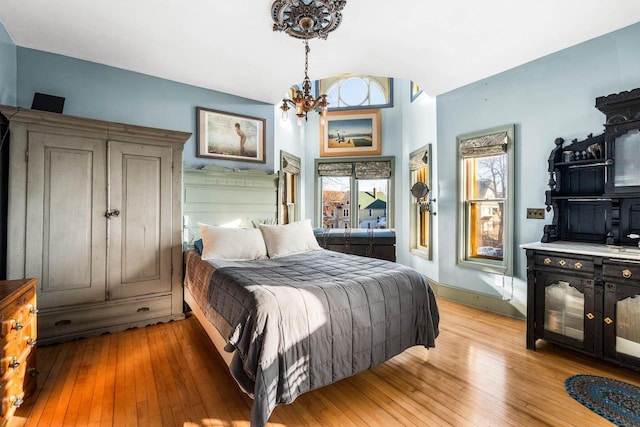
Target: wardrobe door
65 224
140 204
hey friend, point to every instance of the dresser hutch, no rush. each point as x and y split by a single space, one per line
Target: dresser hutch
583 277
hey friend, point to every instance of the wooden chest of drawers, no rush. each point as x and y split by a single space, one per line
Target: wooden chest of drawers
18 340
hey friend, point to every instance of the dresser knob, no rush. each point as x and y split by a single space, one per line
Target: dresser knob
608 320
14 363
32 341
33 309
16 401
15 324
626 273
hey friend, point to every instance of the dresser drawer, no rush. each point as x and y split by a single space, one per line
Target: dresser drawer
18 331
573 263
627 271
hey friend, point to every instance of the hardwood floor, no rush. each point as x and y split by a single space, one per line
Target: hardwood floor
479 374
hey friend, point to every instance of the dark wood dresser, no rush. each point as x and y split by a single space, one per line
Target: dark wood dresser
372 243
18 313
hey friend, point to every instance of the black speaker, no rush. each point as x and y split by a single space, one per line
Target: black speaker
44 102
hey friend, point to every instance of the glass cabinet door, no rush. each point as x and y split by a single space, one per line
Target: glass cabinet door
564 310
627 155
565 305
622 322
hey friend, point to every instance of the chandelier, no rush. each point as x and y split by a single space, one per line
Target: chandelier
306 19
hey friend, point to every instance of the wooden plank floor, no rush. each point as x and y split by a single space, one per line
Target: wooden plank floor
480 374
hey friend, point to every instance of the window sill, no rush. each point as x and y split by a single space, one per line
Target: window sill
422 253
485 266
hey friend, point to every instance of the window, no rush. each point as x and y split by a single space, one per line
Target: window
421 210
288 189
486 199
353 91
361 182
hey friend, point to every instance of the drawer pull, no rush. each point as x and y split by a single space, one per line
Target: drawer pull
16 401
590 316
14 363
547 261
608 320
33 309
62 322
578 265
143 309
626 273
562 262
15 324
31 341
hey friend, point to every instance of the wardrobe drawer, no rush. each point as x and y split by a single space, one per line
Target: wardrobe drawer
110 317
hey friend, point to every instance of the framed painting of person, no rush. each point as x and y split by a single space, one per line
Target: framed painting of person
230 136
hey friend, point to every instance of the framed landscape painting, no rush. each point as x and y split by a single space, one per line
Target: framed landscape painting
351 133
230 136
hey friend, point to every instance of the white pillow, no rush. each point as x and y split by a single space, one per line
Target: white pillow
233 244
289 239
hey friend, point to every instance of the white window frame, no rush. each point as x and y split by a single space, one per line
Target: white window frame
465 260
416 216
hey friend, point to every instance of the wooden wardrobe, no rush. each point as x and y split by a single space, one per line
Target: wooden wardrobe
94 215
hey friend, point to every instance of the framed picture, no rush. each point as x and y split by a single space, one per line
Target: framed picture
350 133
230 136
415 91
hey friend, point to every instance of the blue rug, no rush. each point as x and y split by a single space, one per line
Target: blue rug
617 401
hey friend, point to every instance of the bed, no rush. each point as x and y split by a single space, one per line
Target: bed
291 317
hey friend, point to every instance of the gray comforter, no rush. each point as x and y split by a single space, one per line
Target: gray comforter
304 321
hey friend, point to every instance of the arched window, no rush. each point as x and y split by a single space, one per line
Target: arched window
354 91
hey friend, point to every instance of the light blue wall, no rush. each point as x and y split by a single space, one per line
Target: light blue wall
107 93
8 69
419 124
548 98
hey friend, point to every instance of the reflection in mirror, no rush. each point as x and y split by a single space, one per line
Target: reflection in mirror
421 203
627 148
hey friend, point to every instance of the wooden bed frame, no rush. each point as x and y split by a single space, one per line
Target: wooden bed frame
219 196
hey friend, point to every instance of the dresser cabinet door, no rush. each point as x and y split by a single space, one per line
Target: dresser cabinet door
565 310
65 224
140 233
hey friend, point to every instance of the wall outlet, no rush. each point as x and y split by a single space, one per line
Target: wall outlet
535 213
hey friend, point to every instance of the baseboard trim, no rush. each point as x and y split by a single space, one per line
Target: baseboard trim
479 300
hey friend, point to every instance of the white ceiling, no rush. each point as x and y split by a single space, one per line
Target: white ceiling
229 46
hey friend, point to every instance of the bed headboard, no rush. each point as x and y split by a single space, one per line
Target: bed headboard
217 195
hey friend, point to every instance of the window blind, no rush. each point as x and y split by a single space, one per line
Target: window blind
290 165
335 169
373 170
361 170
419 160
486 145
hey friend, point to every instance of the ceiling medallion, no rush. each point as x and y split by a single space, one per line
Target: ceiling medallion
307 19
